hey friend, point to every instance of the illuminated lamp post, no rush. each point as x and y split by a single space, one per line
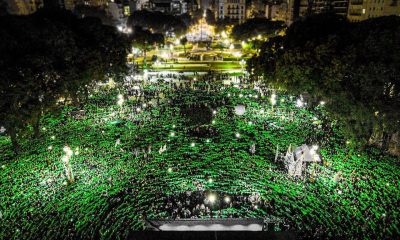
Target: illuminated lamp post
242 63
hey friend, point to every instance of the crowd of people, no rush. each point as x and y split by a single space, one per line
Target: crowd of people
136 153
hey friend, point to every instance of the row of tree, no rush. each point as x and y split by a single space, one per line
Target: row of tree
50 56
353 67
145 40
257 26
158 22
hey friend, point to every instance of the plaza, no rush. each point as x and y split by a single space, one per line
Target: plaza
164 148
189 126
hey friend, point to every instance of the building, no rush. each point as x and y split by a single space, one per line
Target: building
192 5
175 7
116 11
62 4
120 10
205 4
291 10
305 7
161 5
277 12
141 5
363 9
340 7
280 11
255 9
232 9
178 7
23 7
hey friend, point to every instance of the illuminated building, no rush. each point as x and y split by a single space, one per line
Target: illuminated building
178 7
363 9
233 9
23 7
291 10
255 9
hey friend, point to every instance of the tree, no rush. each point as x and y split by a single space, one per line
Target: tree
210 17
51 55
26 74
222 24
199 14
353 67
257 26
91 11
184 42
158 22
3 8
144 39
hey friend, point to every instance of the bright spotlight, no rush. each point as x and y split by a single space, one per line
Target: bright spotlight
212 198
227 199
299 103
273 99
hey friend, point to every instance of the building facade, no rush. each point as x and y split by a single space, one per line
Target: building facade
141 4
175 7
291 10
178 7
278 12
255 9
233 9
23 7
364 9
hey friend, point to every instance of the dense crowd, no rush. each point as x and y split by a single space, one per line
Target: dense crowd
138 153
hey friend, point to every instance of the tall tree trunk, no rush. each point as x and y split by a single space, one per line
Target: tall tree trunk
385 140
14 141
36 125
145 55
75 99
36 131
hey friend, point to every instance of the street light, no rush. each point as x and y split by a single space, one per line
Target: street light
212 198
242 63
224 35
171 48
237 55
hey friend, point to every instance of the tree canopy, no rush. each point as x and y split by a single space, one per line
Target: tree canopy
256 26
353 67
96 12
158 22
142 38
48 57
